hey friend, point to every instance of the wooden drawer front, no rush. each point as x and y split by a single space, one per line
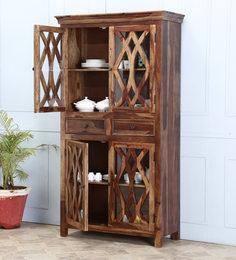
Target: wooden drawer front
82 126
133 127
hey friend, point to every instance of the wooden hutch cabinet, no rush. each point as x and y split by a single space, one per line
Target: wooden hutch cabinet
139 133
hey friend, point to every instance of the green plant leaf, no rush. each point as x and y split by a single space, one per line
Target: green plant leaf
21 174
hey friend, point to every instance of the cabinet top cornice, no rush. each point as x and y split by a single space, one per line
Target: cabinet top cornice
118 19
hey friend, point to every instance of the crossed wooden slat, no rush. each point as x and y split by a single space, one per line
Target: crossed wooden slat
131 202
74 194
131 84
51 88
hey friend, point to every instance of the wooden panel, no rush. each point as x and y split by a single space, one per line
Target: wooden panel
48 69
133 127
76 184
132 87
168 152
131 207
85 127
119 230
98 204
118 19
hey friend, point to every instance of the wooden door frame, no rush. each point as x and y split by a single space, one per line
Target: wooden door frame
151 29
39 60
111 194
83 189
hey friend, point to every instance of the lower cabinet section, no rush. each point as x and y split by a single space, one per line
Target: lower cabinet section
124 197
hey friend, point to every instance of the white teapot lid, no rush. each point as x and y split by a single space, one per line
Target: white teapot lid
85 101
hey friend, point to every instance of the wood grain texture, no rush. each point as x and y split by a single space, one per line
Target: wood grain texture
133 127
169 153
76 184
48 82
118 19
127 206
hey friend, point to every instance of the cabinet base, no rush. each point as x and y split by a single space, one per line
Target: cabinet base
102 228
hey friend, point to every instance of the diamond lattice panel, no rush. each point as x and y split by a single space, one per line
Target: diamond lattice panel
74 182
132 198
132 70
50 70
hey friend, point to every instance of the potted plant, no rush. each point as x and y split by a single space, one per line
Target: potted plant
12 154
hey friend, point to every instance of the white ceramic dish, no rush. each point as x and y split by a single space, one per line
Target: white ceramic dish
100 61
85 105
102 106
94 65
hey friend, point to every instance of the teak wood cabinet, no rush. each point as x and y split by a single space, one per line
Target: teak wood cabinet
139 133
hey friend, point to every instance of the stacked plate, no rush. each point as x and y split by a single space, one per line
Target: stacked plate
94 63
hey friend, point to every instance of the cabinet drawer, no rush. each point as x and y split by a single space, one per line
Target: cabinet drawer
133 127
84 126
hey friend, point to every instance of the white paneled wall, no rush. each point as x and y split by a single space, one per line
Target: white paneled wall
208 144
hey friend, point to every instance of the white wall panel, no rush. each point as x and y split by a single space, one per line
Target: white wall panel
231 62
16 40
195 48
230 193
193 189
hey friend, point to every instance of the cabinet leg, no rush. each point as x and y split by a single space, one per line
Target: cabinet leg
158 240
175 236
63 231
63 224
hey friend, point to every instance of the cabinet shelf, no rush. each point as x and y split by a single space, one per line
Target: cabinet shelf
89 70
122 184
102 69
98 183
135 69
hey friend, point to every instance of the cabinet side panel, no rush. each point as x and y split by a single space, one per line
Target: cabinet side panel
174 128
170 127
63 223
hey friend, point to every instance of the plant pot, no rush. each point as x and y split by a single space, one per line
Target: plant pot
12 205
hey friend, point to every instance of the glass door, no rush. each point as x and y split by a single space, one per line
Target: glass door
76 184
132 63
131 190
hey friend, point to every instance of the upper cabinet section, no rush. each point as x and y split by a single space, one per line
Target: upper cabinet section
49 64
132 63
120 56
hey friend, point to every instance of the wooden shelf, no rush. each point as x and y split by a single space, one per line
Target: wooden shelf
102 69
98 183
122 184
135 69
90 70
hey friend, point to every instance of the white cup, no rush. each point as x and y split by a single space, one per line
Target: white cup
91 176
138 177
98 177
126 178
126 64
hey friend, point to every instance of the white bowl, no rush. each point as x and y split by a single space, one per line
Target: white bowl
100 61
94 65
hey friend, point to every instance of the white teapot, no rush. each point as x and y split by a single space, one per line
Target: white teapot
103 105
85 105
